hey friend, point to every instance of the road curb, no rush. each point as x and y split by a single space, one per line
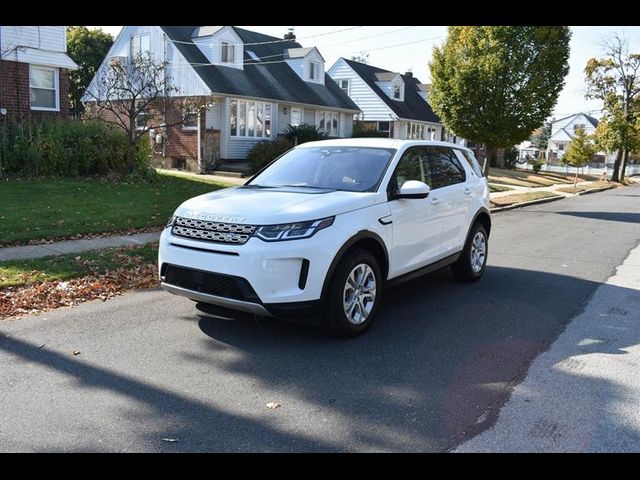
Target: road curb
526 204
596 190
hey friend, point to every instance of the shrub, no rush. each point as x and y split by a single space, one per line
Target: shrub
360 130
264 152
62 148
537 165
511 157
304 133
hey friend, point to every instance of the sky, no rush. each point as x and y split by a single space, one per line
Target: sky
399 49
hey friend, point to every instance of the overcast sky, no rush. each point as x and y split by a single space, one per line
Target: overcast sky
386 50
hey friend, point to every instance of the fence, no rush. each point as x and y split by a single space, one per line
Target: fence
630 170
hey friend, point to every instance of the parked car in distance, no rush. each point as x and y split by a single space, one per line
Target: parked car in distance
327 227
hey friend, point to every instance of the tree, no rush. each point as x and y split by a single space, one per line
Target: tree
136 95
540 137
362 57
87 48
614 80
579 152
496 84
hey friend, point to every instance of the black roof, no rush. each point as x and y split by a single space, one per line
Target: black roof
413 108
274 81
593 121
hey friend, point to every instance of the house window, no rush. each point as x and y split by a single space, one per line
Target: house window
383 127
250 119
139 44
431 133
228 53
314 71
296 117
415 131
561 147
190 119
344 85
328 122
578 126
141 117
396 92
44 88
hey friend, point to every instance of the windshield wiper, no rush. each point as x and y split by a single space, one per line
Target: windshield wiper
293 185
255 185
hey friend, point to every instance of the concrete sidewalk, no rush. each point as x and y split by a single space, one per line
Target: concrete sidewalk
75 246
551 188
583 394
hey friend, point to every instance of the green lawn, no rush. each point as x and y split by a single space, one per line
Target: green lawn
498 188
65 267
54 208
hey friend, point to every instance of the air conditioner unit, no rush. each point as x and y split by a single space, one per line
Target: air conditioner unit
115 61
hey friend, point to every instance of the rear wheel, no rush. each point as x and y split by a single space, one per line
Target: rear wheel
354 294
473 260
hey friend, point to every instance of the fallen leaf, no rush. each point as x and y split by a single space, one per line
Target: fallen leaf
42 345
273 405
76 352
170 440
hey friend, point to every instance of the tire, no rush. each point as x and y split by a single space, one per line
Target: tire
355 264
467 268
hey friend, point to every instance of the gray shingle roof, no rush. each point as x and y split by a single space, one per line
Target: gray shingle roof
413 108
274 81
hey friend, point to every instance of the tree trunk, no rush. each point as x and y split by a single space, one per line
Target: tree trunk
500 157
491 156
575 180
131 157
615 175
623 164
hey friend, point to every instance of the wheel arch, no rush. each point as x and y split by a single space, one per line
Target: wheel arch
364 239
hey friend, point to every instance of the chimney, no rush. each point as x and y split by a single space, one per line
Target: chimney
409 73
290 35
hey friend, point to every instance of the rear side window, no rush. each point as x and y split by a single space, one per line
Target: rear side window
473 162
444 166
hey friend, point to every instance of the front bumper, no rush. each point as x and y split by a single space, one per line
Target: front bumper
273 270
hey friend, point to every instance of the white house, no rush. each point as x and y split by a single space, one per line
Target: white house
259 85
34 72
564 130
390 102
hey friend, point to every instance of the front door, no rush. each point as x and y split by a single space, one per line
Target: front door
417 223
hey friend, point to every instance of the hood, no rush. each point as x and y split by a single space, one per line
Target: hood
268 206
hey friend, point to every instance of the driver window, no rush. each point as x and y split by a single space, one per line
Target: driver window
412 166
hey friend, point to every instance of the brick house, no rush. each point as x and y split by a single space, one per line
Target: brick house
256 85
34 73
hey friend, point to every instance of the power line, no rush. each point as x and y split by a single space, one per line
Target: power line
279 40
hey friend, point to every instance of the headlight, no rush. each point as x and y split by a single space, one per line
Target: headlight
292 231
171 221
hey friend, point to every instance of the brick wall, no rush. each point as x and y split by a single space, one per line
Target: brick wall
15 96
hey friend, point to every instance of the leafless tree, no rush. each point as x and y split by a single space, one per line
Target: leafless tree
136 95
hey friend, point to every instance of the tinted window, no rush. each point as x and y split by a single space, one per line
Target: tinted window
354 169
445 167
412 166
473 162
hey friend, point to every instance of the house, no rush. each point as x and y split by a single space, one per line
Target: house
527 151
390 102
258 84
34 72
563 131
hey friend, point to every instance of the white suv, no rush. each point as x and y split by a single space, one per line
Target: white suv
325 228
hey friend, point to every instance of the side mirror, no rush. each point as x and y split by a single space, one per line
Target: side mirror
413 189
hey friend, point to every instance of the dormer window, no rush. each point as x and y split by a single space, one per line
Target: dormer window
396 92
227 54
314 71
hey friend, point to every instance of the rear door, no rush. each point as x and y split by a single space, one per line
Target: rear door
417 223
452 193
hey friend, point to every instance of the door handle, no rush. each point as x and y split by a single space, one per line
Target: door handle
436 201
467 191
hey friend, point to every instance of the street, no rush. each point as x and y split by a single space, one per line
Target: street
433 371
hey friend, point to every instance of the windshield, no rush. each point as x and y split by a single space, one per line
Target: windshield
354 169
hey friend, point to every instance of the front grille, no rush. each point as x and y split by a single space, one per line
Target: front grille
212 231
211 283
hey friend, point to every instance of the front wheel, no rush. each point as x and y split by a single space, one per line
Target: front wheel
473 259
354 294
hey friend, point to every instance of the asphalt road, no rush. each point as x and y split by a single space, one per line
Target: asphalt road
432 372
